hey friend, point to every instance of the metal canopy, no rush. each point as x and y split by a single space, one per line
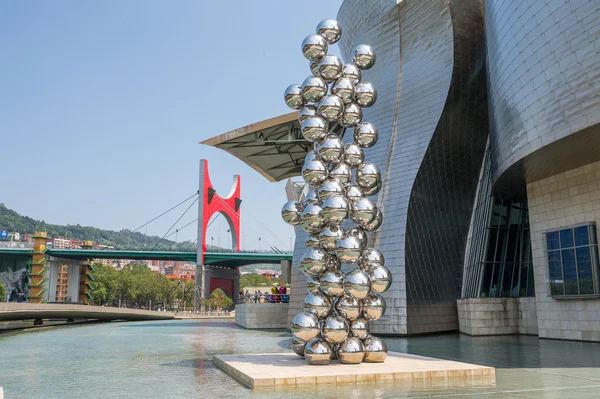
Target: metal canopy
274 147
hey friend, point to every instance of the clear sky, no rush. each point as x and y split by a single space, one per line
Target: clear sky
102 106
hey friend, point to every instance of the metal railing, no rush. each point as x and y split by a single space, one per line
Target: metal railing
16 244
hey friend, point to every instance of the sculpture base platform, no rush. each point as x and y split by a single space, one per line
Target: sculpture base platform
289 370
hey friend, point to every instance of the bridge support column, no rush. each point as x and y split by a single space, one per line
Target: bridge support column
200 292
286 271
38 268
73 279
85 283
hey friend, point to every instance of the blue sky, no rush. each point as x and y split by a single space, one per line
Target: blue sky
103 104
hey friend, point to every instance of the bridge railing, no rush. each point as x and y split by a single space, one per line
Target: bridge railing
16 244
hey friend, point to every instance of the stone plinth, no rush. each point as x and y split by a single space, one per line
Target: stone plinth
262 315
287 369
497 316
1 393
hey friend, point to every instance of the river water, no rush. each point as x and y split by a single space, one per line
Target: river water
172 359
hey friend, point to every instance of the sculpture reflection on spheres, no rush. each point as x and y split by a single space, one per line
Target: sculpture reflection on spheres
340 304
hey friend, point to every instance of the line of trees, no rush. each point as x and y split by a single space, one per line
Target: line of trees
2 292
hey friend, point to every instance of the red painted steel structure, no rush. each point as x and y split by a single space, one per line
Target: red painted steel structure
211 203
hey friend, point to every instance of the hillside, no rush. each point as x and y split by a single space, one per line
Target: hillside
124 239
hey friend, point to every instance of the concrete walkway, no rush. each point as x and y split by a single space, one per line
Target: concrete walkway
28 311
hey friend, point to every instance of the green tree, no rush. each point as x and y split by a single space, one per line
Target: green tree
256 280
219 299
2 292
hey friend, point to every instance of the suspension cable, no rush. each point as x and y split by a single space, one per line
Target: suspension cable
164 213
177 221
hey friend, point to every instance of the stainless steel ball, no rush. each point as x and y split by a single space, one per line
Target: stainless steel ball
313 66
352 72
373 306
329 237
330 68
291 212
365 134
354 193
314 172
311 156
344 88
314 128
335 329
305 112
334 351
336 209
373 189
330 29
376 223
331 107
362 211
333 263
312 196
365 94
312 241
317 352
293 97
363 56
313 88
357 284
313 285
367 175
353 155
381 279
359 328
371 257
314 47
348 249
314 262
317 304
375 350
351 351
331 187
305 326
331 150
358 233
298 347
351 116
348 307
332 283
312 220
342 173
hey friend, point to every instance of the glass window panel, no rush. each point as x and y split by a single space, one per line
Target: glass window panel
502 213
554 266
530 278
566 238
492 245
512 243
507 281
495 287
582 235
487 277
552 240
515 215
569 271
523 287
584 270
502 233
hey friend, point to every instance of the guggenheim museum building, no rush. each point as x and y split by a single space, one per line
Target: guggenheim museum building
489 149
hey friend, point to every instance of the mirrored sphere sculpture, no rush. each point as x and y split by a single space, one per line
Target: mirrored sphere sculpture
330 187
354 193
335 329
330 68
332 283
292 212
329 237
371 257
312 196
313 88
351 351
313 285
342 173
298 347
360 328
314 128
335 209
305 326
378 221
314 67
312 241
351 116
367 175
352 72
305 112
373 306
348 249
312 220
330 29
331 150
366 134
311 156
363 56
363 211
331 107
293 97
317 352
314 47
314 172
317 304
354 155
348 307
381 279
333 263
373 189
375 349
358 233
357 284
365 94
344 88
313 262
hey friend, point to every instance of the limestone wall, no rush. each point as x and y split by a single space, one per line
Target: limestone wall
497 316
262 315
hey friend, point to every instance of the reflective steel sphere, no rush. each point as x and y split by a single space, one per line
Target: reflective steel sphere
314 67
332 283
381 279
365 134
335 209
293 97
312 241
329 237
311 156
362 211
314 47
306 111
341 172
312 220
334 351
312 285
314 172
298 347
358 233
314 128
333 263
352 72
357 284
330 29
291 212
331 107
317 352
305 326
351 351
375 350
360 328
371 258
348 249
367 175
373 306
330 68
331 150
335 329
363 56
348 307
376 223
365 94
372 190
331 187
313 88
344 88
351 116
354 193
317 304
313 262
312 196
354 155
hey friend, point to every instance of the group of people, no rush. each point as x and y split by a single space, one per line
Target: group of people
277 295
